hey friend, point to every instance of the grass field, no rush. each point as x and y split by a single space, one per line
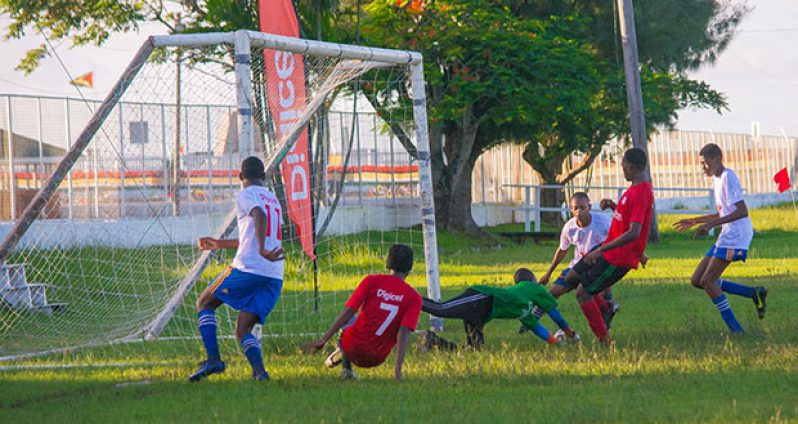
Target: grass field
672 360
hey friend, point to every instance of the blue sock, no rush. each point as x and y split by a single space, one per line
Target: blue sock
727 314
207 328
541 332
558 319
537 312
252 351
738 289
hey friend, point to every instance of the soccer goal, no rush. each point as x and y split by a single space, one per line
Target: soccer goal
104 258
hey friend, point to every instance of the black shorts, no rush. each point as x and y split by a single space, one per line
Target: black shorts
599 276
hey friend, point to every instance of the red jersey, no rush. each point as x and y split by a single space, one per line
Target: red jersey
386 303
635 205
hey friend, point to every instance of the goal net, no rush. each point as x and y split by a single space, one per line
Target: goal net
102 263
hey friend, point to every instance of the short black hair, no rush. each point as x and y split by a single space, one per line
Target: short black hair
711 151
580 195
252 169
524 274
400 258
636 157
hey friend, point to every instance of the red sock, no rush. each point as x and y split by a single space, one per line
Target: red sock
601 302
593 315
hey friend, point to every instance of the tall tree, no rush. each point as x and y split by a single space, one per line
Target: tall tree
488 73
673 37
497 74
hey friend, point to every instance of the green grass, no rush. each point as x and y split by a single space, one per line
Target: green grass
672 360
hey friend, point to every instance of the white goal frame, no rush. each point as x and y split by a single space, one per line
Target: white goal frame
243 41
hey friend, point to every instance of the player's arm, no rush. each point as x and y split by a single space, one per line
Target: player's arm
739 213
629 236
401 346
261 221
339 322
210 243
559 255
687 223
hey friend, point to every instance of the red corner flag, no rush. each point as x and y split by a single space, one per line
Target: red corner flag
782 178
85 80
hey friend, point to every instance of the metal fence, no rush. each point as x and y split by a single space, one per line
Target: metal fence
37 131
501 172
137 151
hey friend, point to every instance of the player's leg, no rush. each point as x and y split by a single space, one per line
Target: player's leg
250 344
337 356
206 319
709 281
757 294
475 333
347 373
467 305
594 280
428 340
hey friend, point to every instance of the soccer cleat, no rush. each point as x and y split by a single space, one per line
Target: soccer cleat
610 314
334 359
207 368
760 294
522 329
262 376
348 374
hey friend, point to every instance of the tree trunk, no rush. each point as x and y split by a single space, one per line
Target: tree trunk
551 198
453 201
452 181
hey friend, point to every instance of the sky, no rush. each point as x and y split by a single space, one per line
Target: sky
757 72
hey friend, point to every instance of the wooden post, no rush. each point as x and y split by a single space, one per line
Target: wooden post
634 94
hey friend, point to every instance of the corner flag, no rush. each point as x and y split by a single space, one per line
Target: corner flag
782 178
85 80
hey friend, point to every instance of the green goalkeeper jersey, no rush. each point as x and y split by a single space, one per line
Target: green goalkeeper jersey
518 301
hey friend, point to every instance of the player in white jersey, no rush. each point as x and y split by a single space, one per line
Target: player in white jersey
732 244
252 284
584 231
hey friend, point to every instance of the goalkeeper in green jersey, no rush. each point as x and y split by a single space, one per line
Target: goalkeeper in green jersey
478 305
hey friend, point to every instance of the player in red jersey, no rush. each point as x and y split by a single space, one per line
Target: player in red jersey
389 310
623 249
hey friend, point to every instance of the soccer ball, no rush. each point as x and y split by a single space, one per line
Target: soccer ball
563 338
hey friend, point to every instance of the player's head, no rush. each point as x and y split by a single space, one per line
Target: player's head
711 158
580 205
524 274
252 169
400 259
633 163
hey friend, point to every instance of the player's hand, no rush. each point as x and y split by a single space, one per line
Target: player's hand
592 257
643 261
685 224
313 346
208 243
273 255
702 230
607 204
544 279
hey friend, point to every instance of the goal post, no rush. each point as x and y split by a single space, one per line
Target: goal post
155 236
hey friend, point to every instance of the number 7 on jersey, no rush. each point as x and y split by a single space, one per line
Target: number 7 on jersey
392 311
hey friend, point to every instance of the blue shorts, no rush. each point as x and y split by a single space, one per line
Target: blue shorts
247 292
561 279
727 254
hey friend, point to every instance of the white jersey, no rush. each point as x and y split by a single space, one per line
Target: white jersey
584 238
736 234
248 258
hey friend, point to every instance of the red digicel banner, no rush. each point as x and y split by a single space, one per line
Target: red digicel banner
285 88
